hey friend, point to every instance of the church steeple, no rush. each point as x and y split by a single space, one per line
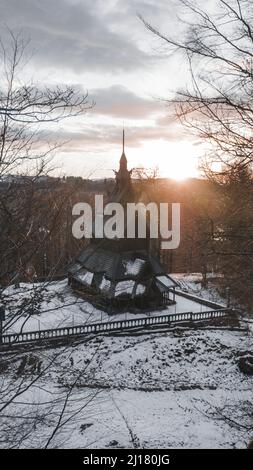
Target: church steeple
123 188
123 142
123 159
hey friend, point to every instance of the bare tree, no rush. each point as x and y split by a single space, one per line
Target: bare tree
28 103
27 216
217 105
34 412
31 210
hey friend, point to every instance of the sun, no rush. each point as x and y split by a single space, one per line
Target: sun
180 169
176 160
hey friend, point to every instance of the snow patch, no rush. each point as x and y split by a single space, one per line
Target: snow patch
124 288
85 276
166 281
105 284
133 268
140 289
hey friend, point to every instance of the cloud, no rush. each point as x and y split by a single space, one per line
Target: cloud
104 46
119 102
108 136
80 35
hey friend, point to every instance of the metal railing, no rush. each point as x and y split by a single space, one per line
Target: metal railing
94 328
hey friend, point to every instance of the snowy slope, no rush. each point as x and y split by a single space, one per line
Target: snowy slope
174 389
159 390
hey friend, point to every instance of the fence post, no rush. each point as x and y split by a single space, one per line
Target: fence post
2 318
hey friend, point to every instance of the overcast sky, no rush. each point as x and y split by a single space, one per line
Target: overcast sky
103 47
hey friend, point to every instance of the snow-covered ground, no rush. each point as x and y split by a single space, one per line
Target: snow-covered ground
173 389
192 283
56 305
162 390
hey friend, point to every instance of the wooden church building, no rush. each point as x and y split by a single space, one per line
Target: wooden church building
122 274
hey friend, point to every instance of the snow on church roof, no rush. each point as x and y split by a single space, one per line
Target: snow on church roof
129 288
105 284
124 288
166 281
133 267
140 289
85 276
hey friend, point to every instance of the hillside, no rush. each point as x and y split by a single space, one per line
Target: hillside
167 389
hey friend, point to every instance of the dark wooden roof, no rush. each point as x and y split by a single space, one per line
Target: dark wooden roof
114 264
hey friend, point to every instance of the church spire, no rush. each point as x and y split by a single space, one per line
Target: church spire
123 143
123 188
123 159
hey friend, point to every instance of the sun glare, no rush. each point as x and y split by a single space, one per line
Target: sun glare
177 160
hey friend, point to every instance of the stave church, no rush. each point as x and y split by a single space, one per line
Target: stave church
122 275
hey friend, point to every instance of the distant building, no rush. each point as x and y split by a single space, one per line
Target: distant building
122 274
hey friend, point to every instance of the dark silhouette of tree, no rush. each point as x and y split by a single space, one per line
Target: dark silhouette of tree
217 105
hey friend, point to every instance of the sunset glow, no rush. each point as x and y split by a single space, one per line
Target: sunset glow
177 160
